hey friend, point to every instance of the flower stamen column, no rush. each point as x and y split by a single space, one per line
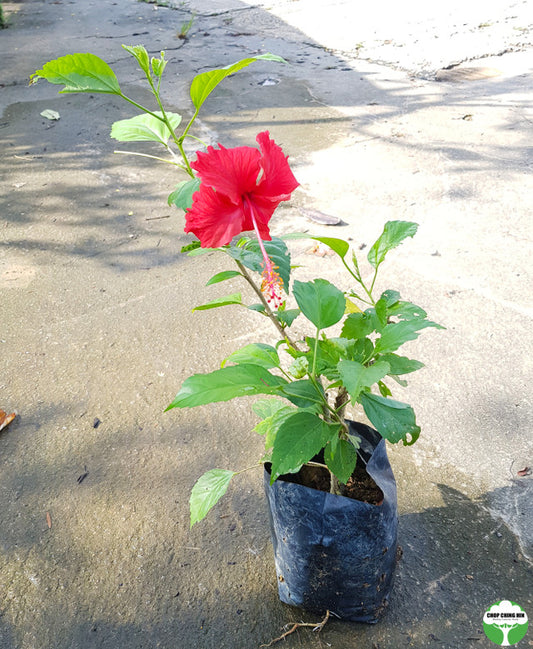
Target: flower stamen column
272 284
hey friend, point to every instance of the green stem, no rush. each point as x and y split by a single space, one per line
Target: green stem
369 292
358 279
154 157
165 120
185 159
191 121
193 137
248 468
145 110
315 351
177 141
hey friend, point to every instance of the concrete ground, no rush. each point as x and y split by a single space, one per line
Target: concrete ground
97 333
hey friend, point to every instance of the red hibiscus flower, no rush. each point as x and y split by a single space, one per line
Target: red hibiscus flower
239 191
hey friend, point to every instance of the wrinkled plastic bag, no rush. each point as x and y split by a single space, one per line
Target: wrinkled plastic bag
332 552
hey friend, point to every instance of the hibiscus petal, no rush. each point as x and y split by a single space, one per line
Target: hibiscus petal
232 172
277 181
214 218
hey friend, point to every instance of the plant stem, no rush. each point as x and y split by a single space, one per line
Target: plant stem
318 464
165 120
313 371
359 280
177 141
369 292
334 484
341 402
191 121
248 468
154 157
145 110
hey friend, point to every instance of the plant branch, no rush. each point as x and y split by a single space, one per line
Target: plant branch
341 402
154 157
318 464
248 468
315 351
177 141
141 107
334 484
359 280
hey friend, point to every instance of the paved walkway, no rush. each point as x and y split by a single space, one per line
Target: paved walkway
97 332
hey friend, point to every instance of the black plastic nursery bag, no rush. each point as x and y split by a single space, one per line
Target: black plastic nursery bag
332 552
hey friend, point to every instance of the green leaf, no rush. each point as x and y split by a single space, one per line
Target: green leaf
390 297
303 393
406 311
234 298
158 65
250 255
270 425
255 354
355 440
79 73
357 377
380 311
342 460
357 325
351 307
299 438
299 367
394 335
198 251
384 389
393 234
393 420
331 350
203 84
223 276
401 364
339 246
329 353
267 407
225 384
145 128
287 316
207 491
360 350
320 301
182 196
194 245
141 55
258 307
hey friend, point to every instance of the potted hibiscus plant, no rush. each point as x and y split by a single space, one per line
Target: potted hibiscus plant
328 481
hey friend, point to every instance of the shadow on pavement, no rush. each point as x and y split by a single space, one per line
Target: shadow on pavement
96 333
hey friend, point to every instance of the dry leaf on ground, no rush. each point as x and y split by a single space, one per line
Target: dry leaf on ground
6 419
